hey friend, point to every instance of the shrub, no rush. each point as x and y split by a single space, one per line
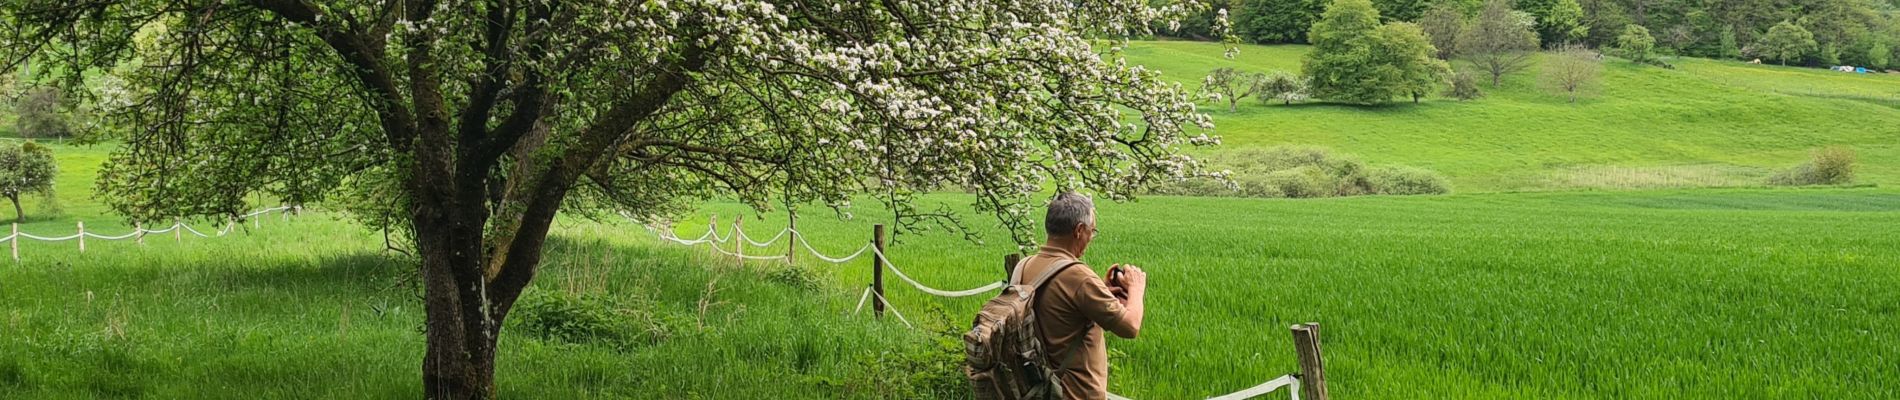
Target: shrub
1833 165
797 276
562 317
1403 180
1304 172
1464 86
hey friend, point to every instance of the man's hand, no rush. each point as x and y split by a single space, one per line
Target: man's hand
1128 279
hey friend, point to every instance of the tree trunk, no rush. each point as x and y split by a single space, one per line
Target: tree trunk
19 214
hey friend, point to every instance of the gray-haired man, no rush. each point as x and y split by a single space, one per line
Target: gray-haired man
1077 304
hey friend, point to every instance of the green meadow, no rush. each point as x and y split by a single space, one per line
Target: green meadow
1619 247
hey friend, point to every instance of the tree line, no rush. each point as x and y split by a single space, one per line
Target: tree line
1799 32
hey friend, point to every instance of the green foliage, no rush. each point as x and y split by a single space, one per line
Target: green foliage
1563 24
1833 165
1306 172
1464 86
1784 42
1727 46
1635 44
1341 67
1405 180
580 319
1276 21
1879 55
799 276
25 168
1500 41
1443 23
1283 86
39 116
1403 58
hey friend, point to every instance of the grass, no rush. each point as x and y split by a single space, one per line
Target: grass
1703 114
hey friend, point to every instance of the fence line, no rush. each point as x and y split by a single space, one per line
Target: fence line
1305 336
138 231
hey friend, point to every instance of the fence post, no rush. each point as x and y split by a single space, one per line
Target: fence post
178 230
82 236
139 227
791 246
877 269
712 225
1312 366
738 245
16 242
1009 266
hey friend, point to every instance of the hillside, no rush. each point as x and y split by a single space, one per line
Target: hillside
1705 123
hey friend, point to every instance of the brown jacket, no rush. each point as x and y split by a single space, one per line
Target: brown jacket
1071 312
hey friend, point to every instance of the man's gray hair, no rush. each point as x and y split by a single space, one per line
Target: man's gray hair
1067 210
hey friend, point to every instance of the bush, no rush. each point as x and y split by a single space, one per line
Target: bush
1304 172
1403 180
1832 165
797 276
562 317
1464 86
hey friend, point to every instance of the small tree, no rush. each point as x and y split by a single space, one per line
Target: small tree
1442 23
1564 23
25 169
1464 86
1500 41
1341 66
39 115
1227 84
1283 86
1786 41
1571 71
1635 43
1405 55
1879 55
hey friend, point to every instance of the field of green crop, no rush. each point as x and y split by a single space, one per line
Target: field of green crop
1705 123
1513 288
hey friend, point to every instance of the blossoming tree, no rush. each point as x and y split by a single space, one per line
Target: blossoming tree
471 124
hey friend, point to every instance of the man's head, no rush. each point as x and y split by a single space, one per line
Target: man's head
1070 222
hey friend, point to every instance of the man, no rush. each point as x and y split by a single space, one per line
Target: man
1077 304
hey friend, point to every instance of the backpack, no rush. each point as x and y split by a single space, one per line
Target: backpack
1003 352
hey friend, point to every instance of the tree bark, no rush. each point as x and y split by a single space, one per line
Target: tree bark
19 214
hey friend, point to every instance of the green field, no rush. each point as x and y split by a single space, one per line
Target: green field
1705 123
1513 288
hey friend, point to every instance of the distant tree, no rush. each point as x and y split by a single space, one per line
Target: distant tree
1786 41
39 114
1464 86
1404 56
1230 85
1283 86
1276 21
1829 54
1879 56
1635 43
25 168
1572 71
1563 24
1442 23
1500 41
1727 46
1402 10
1341 66
1200 25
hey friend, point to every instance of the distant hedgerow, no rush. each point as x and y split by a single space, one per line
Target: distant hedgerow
1305 172
1833 165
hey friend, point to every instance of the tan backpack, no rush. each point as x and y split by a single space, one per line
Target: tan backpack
1003 351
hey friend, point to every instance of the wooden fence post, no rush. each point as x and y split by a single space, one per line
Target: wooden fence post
1009 266
712 225
738 244
877 269
791 246
139 228
16 242
82 236
178 230
1312 366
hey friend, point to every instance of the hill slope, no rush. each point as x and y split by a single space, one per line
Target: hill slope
1705 123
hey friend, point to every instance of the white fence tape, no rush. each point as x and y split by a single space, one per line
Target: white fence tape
229 226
